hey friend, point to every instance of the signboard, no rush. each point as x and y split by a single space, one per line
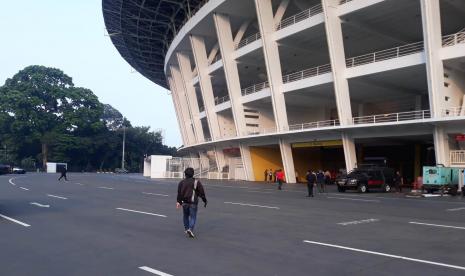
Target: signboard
327 143
460 137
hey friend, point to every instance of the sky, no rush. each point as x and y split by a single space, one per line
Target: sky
70 35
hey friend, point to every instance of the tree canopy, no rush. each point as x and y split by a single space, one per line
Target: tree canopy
43 117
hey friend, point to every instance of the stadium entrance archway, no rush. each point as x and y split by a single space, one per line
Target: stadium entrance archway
265 158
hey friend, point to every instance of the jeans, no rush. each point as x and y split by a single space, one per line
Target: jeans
189 215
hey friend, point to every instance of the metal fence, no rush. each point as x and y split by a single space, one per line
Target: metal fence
393 117
299 17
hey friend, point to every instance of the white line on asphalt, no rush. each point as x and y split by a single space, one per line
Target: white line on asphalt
55 196
456 209
40 205
140 212
15 221
354 199
251 205
260 192
358 221
79 184
437 225
11 181
154 194
386 255
26 189
106 188
154 271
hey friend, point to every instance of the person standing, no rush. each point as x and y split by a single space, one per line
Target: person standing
280 178
266 175
311 180
189 191
63 174
270 175
327 178
320 180
399 182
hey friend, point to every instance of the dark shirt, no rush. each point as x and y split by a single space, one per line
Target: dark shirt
311 178
320 177
185 190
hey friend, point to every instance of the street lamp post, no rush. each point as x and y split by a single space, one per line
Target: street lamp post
124 144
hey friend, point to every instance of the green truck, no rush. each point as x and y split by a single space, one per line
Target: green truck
440 178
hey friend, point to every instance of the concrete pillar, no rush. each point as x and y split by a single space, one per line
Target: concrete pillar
225 40
177 108
220 160
349 152
183 103
338 61
265 18
431 17
186 74
441 146
247 162
201 62
288 161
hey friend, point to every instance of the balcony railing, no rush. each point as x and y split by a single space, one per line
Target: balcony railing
248 40
457 157
259 131
301 16
453 39
396 52
453 112
319 124
307 73
393 117
221 100
255 88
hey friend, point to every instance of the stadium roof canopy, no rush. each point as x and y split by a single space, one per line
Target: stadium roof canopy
142 30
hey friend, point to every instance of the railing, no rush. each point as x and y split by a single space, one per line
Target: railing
255 88
385 54
457 157
453 112
221 100
248 40
218 175
307 73
207 139
393 117
319 124
260 131
453 39
299 17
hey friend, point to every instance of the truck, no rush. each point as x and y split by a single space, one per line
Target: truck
444 179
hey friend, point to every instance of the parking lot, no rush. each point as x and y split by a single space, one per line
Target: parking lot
105 224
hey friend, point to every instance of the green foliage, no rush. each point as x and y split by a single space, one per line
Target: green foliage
43 115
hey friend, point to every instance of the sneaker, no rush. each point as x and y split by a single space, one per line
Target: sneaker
190 233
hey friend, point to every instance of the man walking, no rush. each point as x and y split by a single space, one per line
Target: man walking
266 175
189 191
63 174
280 178
320 180
399 181
311 180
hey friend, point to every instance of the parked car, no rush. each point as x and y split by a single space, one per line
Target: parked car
18 170
366 178
5 169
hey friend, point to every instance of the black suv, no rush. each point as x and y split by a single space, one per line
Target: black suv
4 169
366 178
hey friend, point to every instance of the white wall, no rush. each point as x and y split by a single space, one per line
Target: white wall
158 165
456 89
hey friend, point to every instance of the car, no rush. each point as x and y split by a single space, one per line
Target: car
367 178
4 169
17 170
119 170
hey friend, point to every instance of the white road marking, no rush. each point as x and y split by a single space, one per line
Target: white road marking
15 221
79 184
106 188
387 255
358 221
154 271
456 209
55 196
154 194
251 205
26 189
140 212
11 181
260 192
40 205
354 199
437 225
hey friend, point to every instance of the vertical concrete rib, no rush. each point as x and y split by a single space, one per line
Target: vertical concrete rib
265 18
201 62
288 161
177 108
184 105
225 40
350 156
186 74
338 64
247 161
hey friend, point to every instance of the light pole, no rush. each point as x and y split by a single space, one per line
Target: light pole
124 143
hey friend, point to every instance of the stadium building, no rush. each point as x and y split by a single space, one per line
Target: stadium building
299 84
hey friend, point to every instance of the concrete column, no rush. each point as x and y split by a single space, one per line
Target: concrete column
338 61
177 108
247 162
219 156
201 61
265 18
288 161
441 146
225 40
183 103
349 152
186 73
431 17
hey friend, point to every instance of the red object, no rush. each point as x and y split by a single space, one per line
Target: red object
375 182
280 175
460 137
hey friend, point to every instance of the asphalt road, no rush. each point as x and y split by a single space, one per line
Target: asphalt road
93 225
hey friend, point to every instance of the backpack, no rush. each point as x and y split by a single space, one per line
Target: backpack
193 191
